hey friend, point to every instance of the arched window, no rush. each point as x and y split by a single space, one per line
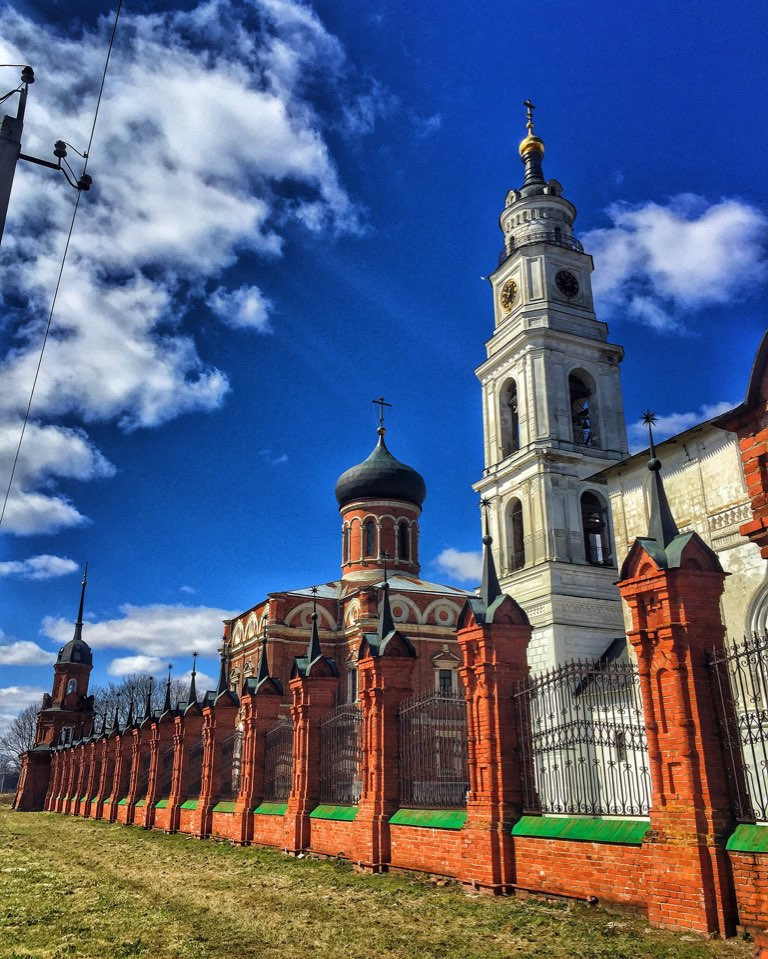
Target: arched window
403 541
515 537
345 545
509 420
369 538
558 235
71 686
594 524
583 411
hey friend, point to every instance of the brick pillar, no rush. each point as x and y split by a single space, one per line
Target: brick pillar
189 731
259 713
92 779
79 780
675 623
122 780
385 678
494 659
109 805
54 781
66 779
218 723
33 780
314 696
103 784
132 738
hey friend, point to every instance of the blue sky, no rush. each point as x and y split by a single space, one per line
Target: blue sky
293 207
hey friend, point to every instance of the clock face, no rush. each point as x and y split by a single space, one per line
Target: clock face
507 296
567 283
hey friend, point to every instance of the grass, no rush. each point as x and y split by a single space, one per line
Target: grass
78 889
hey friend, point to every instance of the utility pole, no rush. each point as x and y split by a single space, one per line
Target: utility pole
10 148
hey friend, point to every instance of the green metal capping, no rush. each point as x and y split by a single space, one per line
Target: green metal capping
748 838
83 799
271 809
161 804
140 803
123 802
95 799
342 813
620 832
108 802
430 818
225 807
189 804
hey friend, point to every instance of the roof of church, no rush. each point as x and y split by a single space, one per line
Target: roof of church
381 476
340 588
76 651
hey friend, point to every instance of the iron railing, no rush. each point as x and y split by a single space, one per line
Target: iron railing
278 761
541 236
195 769
230 767
165 773
433 750
582 741
142 779
740 680
341 755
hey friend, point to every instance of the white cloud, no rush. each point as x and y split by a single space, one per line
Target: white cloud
244 308
128 665
24 653
274 459
15 698
670 424
210 143
462 566
657 263
187 589
38 567
152 631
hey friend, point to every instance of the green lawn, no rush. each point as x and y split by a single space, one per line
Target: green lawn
76 888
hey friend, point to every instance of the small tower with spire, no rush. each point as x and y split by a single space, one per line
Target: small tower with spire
552 417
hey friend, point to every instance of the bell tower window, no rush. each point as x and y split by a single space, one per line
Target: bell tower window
403 541
509 420
583 411
71 686
369 538
345 545
515 537
594 524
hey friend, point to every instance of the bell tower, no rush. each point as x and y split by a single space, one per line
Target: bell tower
552 416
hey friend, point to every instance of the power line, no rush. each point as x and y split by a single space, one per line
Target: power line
86 156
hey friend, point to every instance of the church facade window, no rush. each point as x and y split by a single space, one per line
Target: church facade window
583 409
509 419
66 734
403 540
594 524
369 538
515 535
446 667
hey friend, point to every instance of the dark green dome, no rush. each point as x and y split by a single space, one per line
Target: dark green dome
76 651
380 476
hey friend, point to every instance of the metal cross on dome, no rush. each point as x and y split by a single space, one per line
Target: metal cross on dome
529 108
381 403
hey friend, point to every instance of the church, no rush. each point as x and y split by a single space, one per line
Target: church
555 731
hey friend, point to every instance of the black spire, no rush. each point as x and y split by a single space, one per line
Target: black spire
103 723
192 694
263 670
79 623
661 523
489 587
532 153
386 623
129 720
223 671
148 703
116 720
167 703
313 649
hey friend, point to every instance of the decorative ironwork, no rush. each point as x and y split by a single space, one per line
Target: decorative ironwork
278 761
195 769
165 773
340 755
740 679
541 236
142 780
230 765
433 750
582 741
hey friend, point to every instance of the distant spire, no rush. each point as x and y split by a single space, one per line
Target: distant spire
148 703
386 623
263 670
661 523
223 671
116 720
167 703
129 720
192 694
532 151
313 649
79 623
104 722
489 586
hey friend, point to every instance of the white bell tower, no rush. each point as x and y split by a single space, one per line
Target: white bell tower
552 416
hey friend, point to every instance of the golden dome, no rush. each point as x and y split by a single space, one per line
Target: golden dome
530 143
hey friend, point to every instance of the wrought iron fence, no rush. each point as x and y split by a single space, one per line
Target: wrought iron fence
340 755
165 773
195 769
278 761
740 679
582 741
433 750
142 779
230 765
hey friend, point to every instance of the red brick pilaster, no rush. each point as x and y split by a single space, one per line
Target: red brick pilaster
122 774
103 784
189 731
218 723
54 781
92 777
259 713
66 779
33 780
675 623
385 681
79 755
313 698
494 659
